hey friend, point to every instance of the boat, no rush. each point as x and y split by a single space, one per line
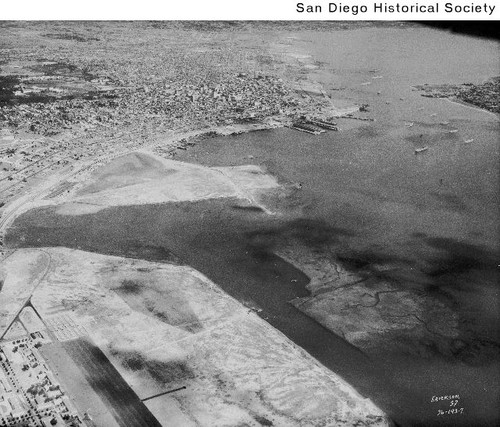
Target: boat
467 141
421 149
350 116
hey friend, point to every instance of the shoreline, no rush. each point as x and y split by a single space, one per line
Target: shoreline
465 104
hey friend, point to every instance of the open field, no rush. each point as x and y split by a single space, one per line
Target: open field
20 275
139 178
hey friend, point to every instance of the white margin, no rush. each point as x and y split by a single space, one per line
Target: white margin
284 10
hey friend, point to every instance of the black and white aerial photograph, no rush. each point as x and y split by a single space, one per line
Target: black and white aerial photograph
249 223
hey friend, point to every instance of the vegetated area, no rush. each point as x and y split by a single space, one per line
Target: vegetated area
485 95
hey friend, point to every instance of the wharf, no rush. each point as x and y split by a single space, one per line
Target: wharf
304 127
324 124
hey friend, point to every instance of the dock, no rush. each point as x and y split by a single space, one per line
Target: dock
324 124
308 128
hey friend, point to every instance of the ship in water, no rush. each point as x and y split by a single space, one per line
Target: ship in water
421 149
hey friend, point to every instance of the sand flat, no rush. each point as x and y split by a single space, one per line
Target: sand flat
143 178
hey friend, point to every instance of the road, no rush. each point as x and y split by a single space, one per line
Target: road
27 299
